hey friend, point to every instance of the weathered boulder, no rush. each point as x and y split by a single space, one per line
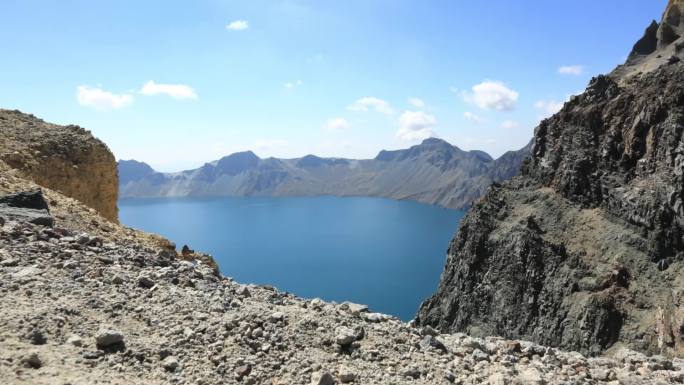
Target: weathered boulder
25 199
26 206
107 337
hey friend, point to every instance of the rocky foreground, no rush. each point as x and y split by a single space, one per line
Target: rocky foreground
78 309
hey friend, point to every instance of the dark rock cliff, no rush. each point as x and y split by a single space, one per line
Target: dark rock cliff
585 249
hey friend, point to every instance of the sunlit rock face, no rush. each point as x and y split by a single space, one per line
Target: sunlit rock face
65 158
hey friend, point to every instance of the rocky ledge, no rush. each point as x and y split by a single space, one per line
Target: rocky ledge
64 158
79 309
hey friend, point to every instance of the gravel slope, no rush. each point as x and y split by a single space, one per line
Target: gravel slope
78 309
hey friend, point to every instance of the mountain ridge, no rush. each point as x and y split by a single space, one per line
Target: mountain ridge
585 249
434 172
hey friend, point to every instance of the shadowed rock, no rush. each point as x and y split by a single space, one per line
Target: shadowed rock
25 199
28 206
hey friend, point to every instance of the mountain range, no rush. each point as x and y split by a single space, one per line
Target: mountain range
433 172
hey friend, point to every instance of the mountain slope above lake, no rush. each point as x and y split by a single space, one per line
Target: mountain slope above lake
432 172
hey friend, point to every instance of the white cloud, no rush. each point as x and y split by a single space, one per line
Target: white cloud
415 102
238 25
291 85
100 99
176 91
571 70
472 117
509 124
337 124
549 107
416 125
369 102
492 95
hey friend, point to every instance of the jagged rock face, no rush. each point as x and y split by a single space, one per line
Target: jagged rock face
621 148
662 42
584 250
65 158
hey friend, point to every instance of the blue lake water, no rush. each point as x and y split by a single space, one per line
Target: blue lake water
384 253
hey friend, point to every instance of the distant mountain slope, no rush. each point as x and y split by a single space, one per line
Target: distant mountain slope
433 172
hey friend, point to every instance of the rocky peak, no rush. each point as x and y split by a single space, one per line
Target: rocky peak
238 162
672 26
481 155
661 43
439 150
433 141
132 170
313 161
673 12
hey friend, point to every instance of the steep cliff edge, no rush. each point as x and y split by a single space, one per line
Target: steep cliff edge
65 158
584 250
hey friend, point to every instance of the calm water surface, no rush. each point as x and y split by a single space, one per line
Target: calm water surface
384 253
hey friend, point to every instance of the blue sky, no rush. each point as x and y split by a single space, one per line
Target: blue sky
178 83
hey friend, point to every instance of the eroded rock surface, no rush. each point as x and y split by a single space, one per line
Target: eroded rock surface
65 158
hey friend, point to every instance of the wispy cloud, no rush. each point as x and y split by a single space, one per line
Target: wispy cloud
100 99
492 95
416 102
369 102
416 125
509 124
571 70
472 117
238 25
295 84
337 124
176 91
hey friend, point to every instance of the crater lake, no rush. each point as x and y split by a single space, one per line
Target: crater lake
384 253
